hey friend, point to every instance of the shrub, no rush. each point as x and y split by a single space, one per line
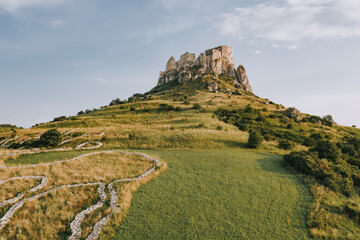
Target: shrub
309 142
166 107
219 128
50 138
58 119
77 134
186 99
236 92
132 108
327 149
197 106
352 210
255 139
328 120
268 137
132 136
286 145
354 161
303 161
317 136
81 112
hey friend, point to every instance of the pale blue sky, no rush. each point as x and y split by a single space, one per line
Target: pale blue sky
58 57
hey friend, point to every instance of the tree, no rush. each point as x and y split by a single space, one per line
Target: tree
50 138
255 139
329 121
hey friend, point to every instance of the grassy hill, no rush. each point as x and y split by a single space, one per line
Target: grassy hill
215 186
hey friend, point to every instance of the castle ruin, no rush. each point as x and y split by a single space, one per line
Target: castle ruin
217 60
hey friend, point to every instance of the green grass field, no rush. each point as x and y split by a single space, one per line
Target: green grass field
217 194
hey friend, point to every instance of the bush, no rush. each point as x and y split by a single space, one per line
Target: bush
255 139
50 138
219 128
166 107
327 149
80 113
309 142
186 100
286 145
132 108
352 210
328 120
77 134
132 136
197 106
303 162
58 119
236 92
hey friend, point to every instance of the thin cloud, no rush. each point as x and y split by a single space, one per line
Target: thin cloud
12 6
57 22
294 21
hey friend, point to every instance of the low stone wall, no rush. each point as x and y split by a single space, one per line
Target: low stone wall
76 223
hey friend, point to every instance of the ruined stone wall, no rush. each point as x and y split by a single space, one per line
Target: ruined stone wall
217 60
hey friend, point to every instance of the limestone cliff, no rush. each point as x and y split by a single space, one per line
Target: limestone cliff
217 60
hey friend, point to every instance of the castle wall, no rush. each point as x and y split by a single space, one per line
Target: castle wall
217 60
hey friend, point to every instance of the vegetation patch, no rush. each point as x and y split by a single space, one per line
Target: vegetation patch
219 194
70 188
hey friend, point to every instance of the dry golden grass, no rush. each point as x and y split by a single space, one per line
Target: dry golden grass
104 167
50 216
12 188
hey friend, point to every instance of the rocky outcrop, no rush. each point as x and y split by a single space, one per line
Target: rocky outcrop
243 79
212 86
171 65
293 113
217 60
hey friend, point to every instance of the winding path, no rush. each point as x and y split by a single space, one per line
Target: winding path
76 223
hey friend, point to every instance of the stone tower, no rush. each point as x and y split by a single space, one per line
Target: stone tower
218 60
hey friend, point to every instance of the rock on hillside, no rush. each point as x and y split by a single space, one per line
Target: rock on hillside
217 60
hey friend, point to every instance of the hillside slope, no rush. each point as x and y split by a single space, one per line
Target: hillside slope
213 180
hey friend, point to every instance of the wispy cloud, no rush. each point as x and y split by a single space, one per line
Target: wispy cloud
57 22
169 3
12 6
293 21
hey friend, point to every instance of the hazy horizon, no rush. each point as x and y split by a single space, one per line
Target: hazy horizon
62 56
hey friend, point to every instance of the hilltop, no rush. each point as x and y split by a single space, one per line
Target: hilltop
217 61
299 177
